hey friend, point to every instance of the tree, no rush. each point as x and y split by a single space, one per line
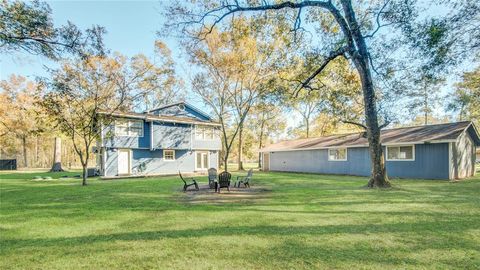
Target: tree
266 120
424 97
19 113
308 105
466 98
235 65
28 26
84 93
160 78
344 31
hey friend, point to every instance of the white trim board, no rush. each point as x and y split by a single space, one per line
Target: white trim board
339 148
169 160
450 161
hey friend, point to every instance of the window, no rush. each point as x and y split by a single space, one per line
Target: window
169 154
204 133
130 128
121 128
406 153
136 128
339 154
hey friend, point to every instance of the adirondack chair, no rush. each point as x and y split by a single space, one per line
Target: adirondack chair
245 180
224 181
212 177
185 185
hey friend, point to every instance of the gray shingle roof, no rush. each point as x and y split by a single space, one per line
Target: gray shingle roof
417 134
160 118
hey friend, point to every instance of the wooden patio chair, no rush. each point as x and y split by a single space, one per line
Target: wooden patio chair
245 180
224 181
212 177
185 185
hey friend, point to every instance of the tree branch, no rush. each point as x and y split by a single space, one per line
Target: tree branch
326 61
354 123
384 125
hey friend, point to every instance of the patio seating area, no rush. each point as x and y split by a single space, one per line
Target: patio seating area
216 182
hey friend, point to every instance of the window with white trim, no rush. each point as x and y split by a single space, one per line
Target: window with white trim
169 155
129 128
337 154
204 132
404 152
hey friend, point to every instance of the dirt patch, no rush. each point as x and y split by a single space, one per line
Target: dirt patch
208 196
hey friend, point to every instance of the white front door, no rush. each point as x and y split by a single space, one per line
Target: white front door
201 161
123 161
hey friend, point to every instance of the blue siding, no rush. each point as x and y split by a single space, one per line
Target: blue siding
127 142
153 162
171 136
316 161
215 144
431 162
111 162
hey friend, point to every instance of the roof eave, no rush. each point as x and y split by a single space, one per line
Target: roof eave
355 146
150 117
476 132
186 105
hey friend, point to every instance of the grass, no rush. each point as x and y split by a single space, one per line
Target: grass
246 165
299 221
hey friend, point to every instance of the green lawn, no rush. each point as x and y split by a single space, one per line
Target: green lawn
298 221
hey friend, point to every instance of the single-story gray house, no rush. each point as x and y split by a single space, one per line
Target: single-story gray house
443 151
165 140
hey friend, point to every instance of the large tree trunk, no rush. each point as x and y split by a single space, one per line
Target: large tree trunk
240 149
379 175
57 156
360 58
24 146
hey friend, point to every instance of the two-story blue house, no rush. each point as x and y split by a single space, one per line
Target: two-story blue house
165 140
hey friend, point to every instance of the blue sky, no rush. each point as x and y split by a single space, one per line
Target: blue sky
131 29
131 26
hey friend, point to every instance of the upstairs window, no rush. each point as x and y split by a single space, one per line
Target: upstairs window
405 153
339 154
204 133
129 128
